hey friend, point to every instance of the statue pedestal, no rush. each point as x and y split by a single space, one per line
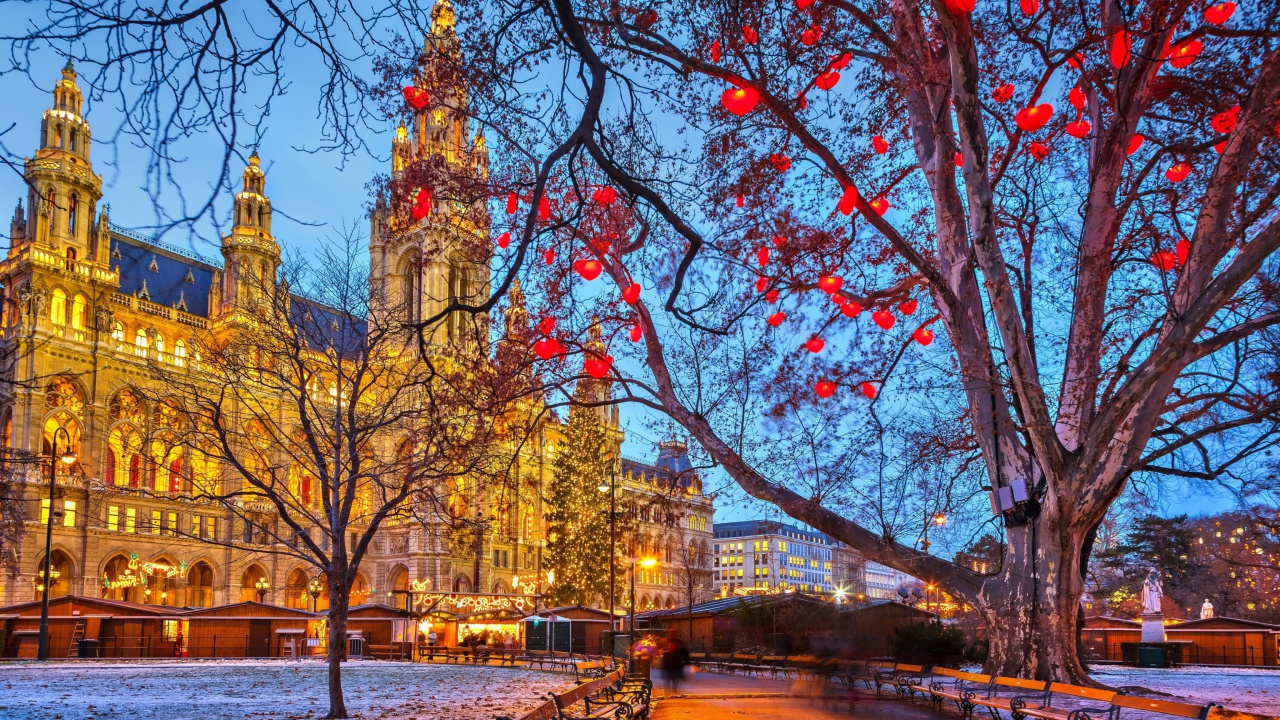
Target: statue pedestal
1153 628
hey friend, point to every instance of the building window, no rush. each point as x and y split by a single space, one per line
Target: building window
44 511
78 306
130 520
117 335
68 513
58 307
113 517
140 343
195 526
171 523
155 522
180 353
71 215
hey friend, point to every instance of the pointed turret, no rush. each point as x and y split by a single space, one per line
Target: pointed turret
251 253
64 190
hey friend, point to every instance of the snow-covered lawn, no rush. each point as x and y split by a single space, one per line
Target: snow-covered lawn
1235 688
262 689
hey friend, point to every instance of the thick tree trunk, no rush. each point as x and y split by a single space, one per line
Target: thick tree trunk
1032 607
338 602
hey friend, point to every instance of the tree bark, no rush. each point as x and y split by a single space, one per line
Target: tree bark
339 599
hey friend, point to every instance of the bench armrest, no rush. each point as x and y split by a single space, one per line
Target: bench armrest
1021 701
1088 713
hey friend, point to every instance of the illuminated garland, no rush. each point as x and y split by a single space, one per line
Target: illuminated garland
476 603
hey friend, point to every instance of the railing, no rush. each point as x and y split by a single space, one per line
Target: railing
151 240
49 259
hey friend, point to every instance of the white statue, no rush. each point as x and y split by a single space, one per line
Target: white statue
1151 593
1206 610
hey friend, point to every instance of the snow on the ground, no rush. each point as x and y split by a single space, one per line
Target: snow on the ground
262 689
1252 690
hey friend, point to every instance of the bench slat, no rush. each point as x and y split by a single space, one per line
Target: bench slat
1080 691
1165 707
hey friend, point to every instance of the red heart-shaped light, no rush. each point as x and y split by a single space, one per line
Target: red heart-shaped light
715 51
1225 122
598 367
779 241
416 97
841 62
880 205
848 200
544 208
749 35
636 333
771 297
1135 142
547 325
815 345
1038 150
959 160
884 319
825 388
1164 260
1177 172
1076 97
869 390
827 80
1033 118
740 101
1029 7
513 203
909 307
762 284
811 36
959 7
1078 129
923 335
1003 94
880 145
1121 52
762 257
776 319
1220 13
605 195
632 293
1182 251
504 240
830 283
588 269
780 162
547 348
1185 53
803 4
850 309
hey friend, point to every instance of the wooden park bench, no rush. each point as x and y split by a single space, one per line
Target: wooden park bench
584 670
867 672
431 652
904 677
599 698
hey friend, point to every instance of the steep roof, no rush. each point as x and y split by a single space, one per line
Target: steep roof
161 273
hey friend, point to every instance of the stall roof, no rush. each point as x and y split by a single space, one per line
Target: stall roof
250 610
65 605
568 612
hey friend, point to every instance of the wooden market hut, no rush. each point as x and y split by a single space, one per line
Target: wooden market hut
573 628
251 629
385 631
774 620
1211 641
110 628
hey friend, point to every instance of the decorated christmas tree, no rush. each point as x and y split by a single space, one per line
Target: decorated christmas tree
578 545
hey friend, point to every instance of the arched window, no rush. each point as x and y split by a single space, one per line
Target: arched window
140 343
411 287
205 471
295 590
75 139
180 353
72 205
135 471
248 579
58 307
58 136
117 335
158 344
60 569
119 581
70 440
78 307
126 405
64 393
200 585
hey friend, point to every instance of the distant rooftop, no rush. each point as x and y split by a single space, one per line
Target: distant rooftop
754 528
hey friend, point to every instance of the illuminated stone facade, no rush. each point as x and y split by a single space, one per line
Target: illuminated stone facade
91 310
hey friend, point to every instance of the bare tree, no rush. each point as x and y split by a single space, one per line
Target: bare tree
311 418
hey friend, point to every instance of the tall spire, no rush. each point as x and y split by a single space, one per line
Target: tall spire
252 256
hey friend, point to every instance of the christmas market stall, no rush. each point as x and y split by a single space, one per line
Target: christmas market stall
451 619
386 632
1207 641
574 628
89 627
251 629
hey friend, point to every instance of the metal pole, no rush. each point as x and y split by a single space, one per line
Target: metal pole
631 631
43 651
613 542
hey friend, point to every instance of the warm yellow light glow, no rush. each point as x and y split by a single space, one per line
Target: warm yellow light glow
648 562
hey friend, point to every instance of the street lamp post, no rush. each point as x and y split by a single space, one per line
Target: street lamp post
611 488
67 457
262 586
631 629
314 589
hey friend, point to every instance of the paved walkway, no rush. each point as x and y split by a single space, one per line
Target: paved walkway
712 696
